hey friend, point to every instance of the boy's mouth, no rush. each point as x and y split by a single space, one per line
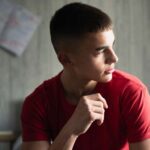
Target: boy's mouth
109 71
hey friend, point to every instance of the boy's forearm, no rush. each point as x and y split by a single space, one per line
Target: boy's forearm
65 139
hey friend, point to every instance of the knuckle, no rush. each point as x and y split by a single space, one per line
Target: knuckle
89 109
85 100
102 110
99 96
101 120
91 117
84 97
101 104
90 113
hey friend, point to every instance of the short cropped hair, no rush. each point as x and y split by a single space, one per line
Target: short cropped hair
75 20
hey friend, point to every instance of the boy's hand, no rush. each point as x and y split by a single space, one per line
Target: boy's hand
90 108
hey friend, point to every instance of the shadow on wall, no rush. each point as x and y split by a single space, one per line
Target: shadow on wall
15 110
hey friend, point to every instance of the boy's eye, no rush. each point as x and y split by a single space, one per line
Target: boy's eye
101 50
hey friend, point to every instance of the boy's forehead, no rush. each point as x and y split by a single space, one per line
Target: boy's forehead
92 38
105 33
99 36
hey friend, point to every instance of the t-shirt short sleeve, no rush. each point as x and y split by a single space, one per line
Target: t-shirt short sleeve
136 110
34 117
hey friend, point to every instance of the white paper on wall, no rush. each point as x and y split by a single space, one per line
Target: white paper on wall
17 28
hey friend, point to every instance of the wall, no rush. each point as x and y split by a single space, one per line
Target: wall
20 75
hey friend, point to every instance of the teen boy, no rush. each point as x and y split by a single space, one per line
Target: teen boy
89 105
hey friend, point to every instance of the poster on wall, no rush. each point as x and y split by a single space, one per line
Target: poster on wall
17 26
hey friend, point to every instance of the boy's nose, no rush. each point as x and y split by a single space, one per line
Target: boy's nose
111 57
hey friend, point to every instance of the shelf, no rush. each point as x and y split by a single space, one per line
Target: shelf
8 136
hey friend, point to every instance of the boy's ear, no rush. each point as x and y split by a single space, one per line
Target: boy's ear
63 58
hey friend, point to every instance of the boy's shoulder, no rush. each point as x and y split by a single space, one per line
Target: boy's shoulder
52 82
126 78
46 88
123 82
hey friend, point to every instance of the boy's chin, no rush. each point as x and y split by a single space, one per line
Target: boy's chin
106 79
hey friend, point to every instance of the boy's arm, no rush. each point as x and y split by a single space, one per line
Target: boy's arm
65 141
89 109
143 145
35 145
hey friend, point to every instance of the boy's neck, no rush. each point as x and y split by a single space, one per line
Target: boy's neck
74 87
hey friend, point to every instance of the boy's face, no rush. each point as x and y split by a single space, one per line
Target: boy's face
94 58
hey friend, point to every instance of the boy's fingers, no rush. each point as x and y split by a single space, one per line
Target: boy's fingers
103 101
98 97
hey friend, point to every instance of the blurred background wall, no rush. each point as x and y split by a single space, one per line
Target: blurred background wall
20 75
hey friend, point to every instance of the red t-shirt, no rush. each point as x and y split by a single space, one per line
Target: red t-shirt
127 119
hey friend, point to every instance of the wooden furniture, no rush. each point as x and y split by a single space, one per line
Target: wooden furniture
8 137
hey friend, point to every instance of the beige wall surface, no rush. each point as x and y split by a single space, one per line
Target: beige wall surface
20 75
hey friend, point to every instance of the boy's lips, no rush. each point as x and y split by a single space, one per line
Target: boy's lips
110 71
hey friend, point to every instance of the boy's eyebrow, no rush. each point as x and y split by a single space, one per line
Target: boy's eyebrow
103 47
